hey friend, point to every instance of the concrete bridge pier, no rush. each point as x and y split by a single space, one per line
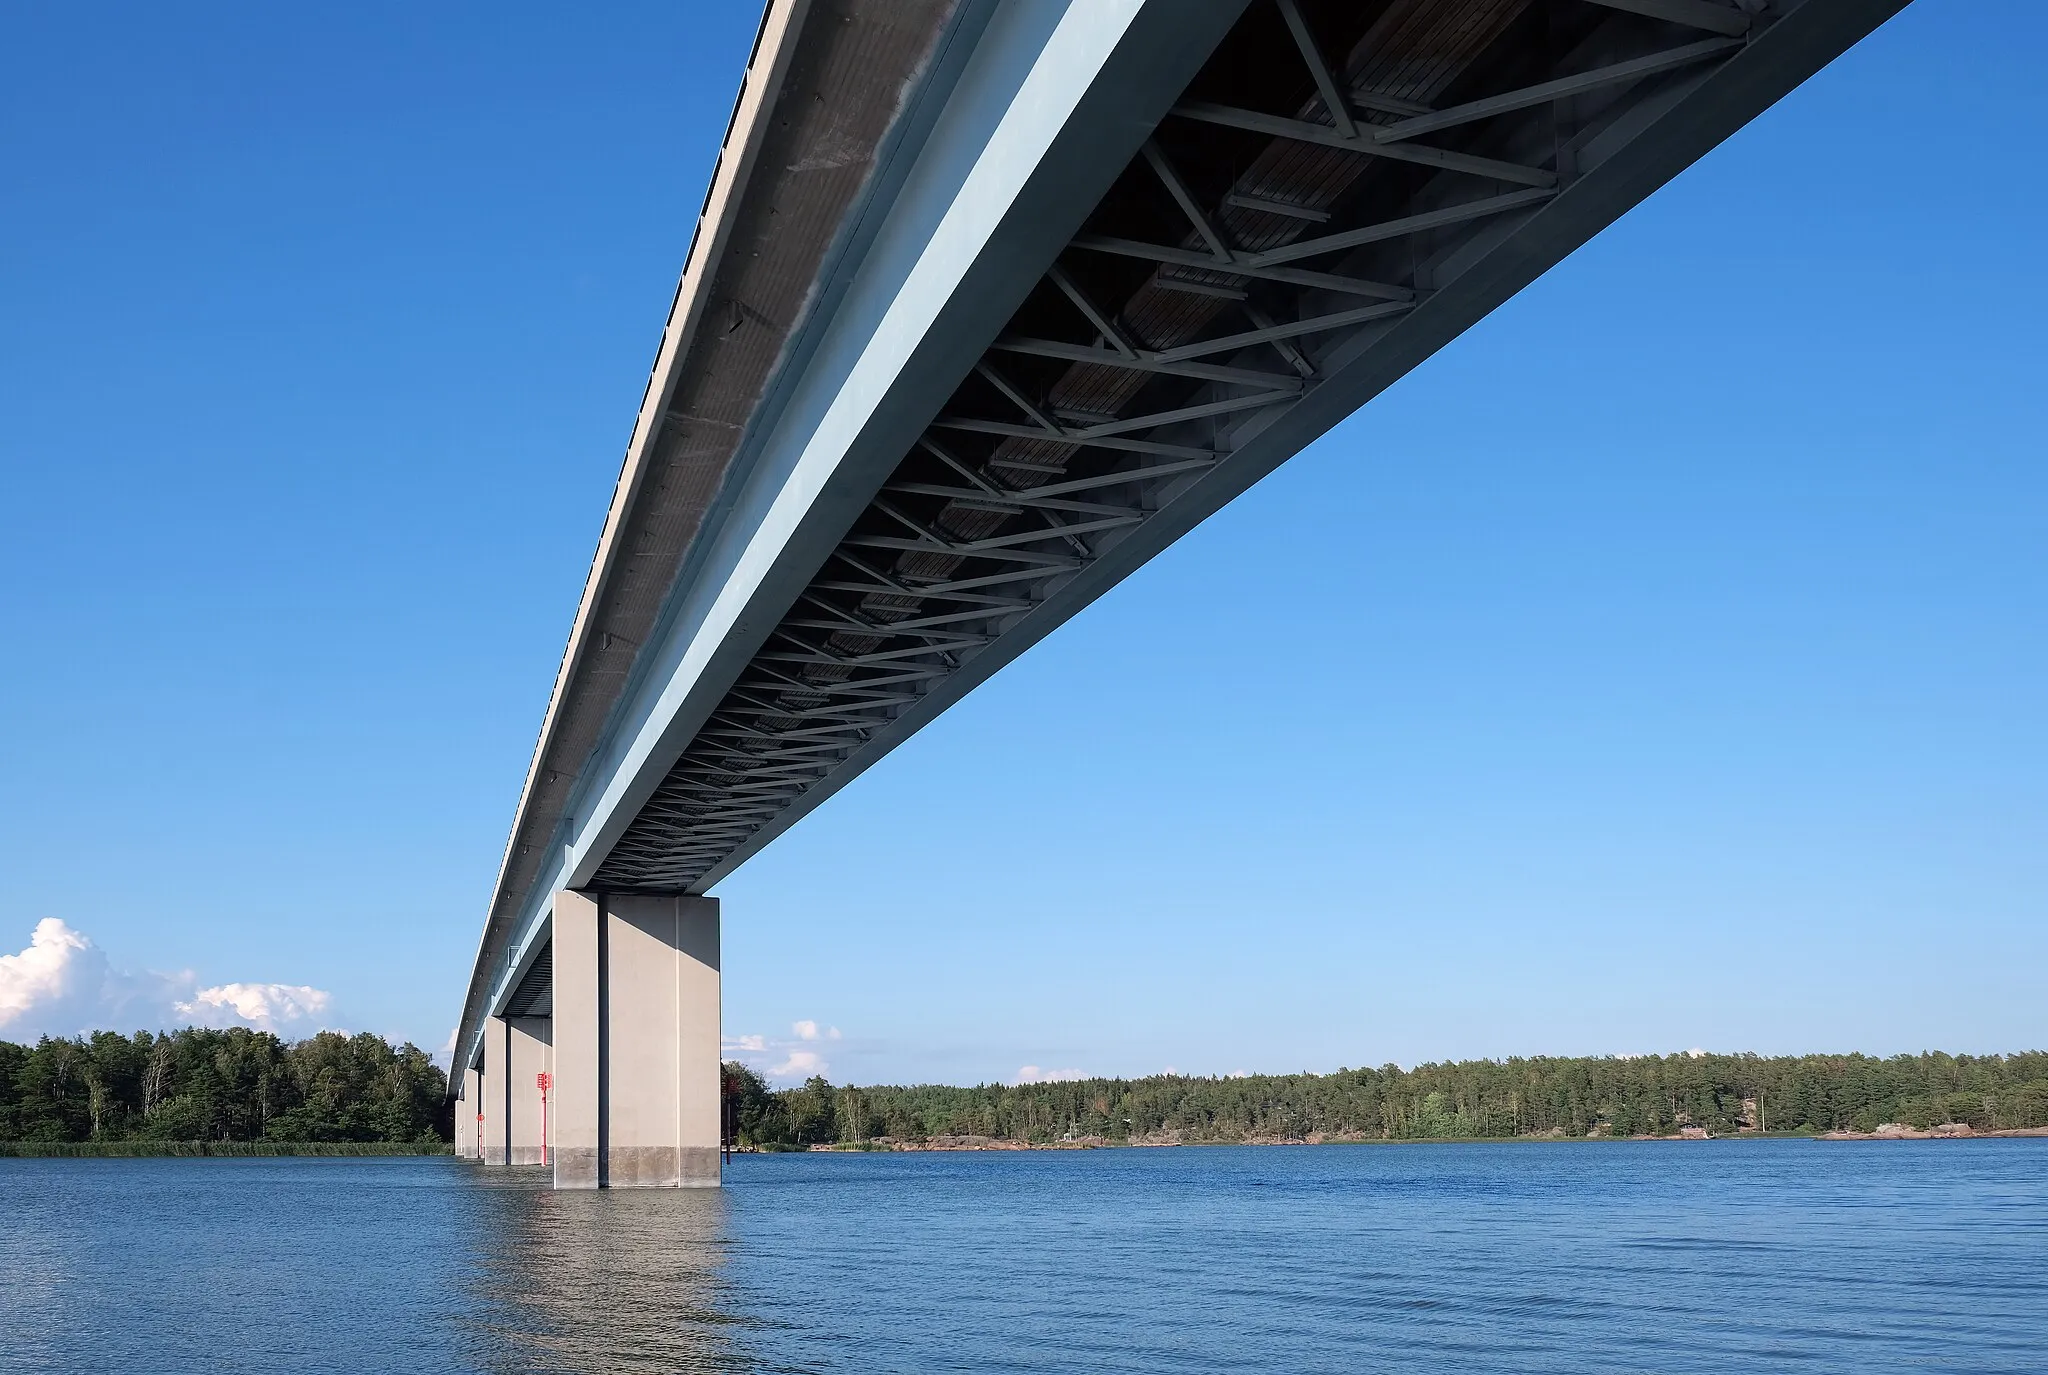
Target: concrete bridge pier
636 1015
530 1040
516 1049
468 1097
491 1083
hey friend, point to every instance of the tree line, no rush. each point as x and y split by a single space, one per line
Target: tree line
1543 1096
200 1084
233 1085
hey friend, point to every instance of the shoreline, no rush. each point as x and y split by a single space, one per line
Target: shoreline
1946 1131
955 1145
216 1150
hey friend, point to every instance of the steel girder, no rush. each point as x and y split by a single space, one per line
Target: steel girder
1332 171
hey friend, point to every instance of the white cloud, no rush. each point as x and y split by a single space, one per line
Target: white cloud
57 963
801 1064
791 1058
1032 1074
267 1007
63 984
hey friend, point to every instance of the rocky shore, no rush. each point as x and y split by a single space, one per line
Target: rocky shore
1945 1131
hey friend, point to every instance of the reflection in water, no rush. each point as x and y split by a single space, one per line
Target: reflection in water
597 1280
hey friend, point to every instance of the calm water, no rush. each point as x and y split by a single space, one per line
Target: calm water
1736 1256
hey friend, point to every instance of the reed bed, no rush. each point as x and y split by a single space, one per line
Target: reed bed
108 1149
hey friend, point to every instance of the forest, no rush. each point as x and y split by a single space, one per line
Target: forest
199 1084
1544 1096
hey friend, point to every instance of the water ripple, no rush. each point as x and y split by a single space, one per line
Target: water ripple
1584 1258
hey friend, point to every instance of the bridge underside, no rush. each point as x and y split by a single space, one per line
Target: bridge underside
1340 190
1308 209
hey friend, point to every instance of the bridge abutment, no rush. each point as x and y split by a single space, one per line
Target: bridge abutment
636 1017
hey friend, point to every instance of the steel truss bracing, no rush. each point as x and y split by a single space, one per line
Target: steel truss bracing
1331 169
535 994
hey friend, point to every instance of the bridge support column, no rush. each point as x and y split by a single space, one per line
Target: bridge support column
529 1040
490 1084
636 999
515 1049
468 1098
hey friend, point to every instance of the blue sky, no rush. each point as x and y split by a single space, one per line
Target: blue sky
1659 666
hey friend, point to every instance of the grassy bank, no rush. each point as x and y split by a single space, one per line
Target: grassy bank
110 1149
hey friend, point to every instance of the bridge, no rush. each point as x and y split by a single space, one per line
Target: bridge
989 302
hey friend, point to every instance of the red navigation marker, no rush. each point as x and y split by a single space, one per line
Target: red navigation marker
543 1081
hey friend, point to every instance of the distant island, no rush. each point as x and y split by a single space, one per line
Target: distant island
1687 1094
238 1091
